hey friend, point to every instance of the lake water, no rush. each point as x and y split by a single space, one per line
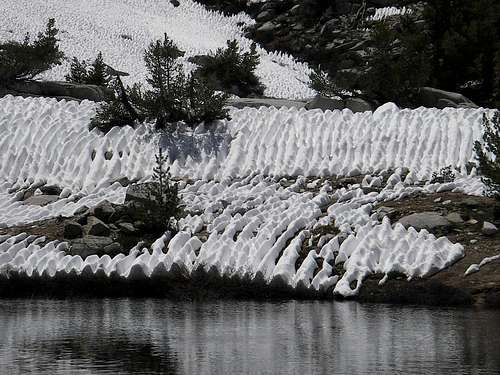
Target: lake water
230 337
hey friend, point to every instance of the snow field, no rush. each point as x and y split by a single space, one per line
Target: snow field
245 220
123 29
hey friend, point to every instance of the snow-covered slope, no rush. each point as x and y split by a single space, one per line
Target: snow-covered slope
258 224
123 29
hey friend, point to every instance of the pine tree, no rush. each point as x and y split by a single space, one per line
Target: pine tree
164 196
28 59
95 74
488 154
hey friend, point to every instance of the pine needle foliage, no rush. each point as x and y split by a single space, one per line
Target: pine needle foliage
164 196
488 154
29 58
93 74
232 70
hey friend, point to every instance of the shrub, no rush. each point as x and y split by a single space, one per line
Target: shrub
28 59
488 154
164 197
232 70
95 74
445 175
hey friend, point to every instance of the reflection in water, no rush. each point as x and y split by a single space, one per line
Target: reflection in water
228 337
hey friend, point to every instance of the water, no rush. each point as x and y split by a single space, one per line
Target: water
228 337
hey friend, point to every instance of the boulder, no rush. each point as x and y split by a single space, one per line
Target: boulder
126 228
425 220
455 218
113 249
89 245
266 31
60 89
265 102
324 103
72 230
431 97
357 105
51 190
96 227
489 229
103 211
331 104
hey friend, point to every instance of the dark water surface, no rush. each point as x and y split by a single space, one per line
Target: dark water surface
228 337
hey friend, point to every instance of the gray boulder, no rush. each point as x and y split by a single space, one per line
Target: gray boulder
60 89
89 245
126 228
357 105
425 220
489 229
324 103
431 97
96 227
72 230
103 211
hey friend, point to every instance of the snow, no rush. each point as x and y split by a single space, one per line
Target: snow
123 29
386 12
257 222
473 268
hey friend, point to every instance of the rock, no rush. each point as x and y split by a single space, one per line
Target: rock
41 200
81 211
60 89
113 249
324 103
72 230
266 31
89 245
175 3
265 102
103 211
424 220
96 227
431 97
126 228
51 190
470 202
357 105
455 218
489 229
264 16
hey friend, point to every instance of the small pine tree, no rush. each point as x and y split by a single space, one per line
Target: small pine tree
26 60
488 154
164 196
232 70
95 74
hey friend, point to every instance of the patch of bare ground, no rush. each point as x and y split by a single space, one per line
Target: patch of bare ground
450 286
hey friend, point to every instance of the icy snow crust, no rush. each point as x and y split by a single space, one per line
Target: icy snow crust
258 224
123 29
